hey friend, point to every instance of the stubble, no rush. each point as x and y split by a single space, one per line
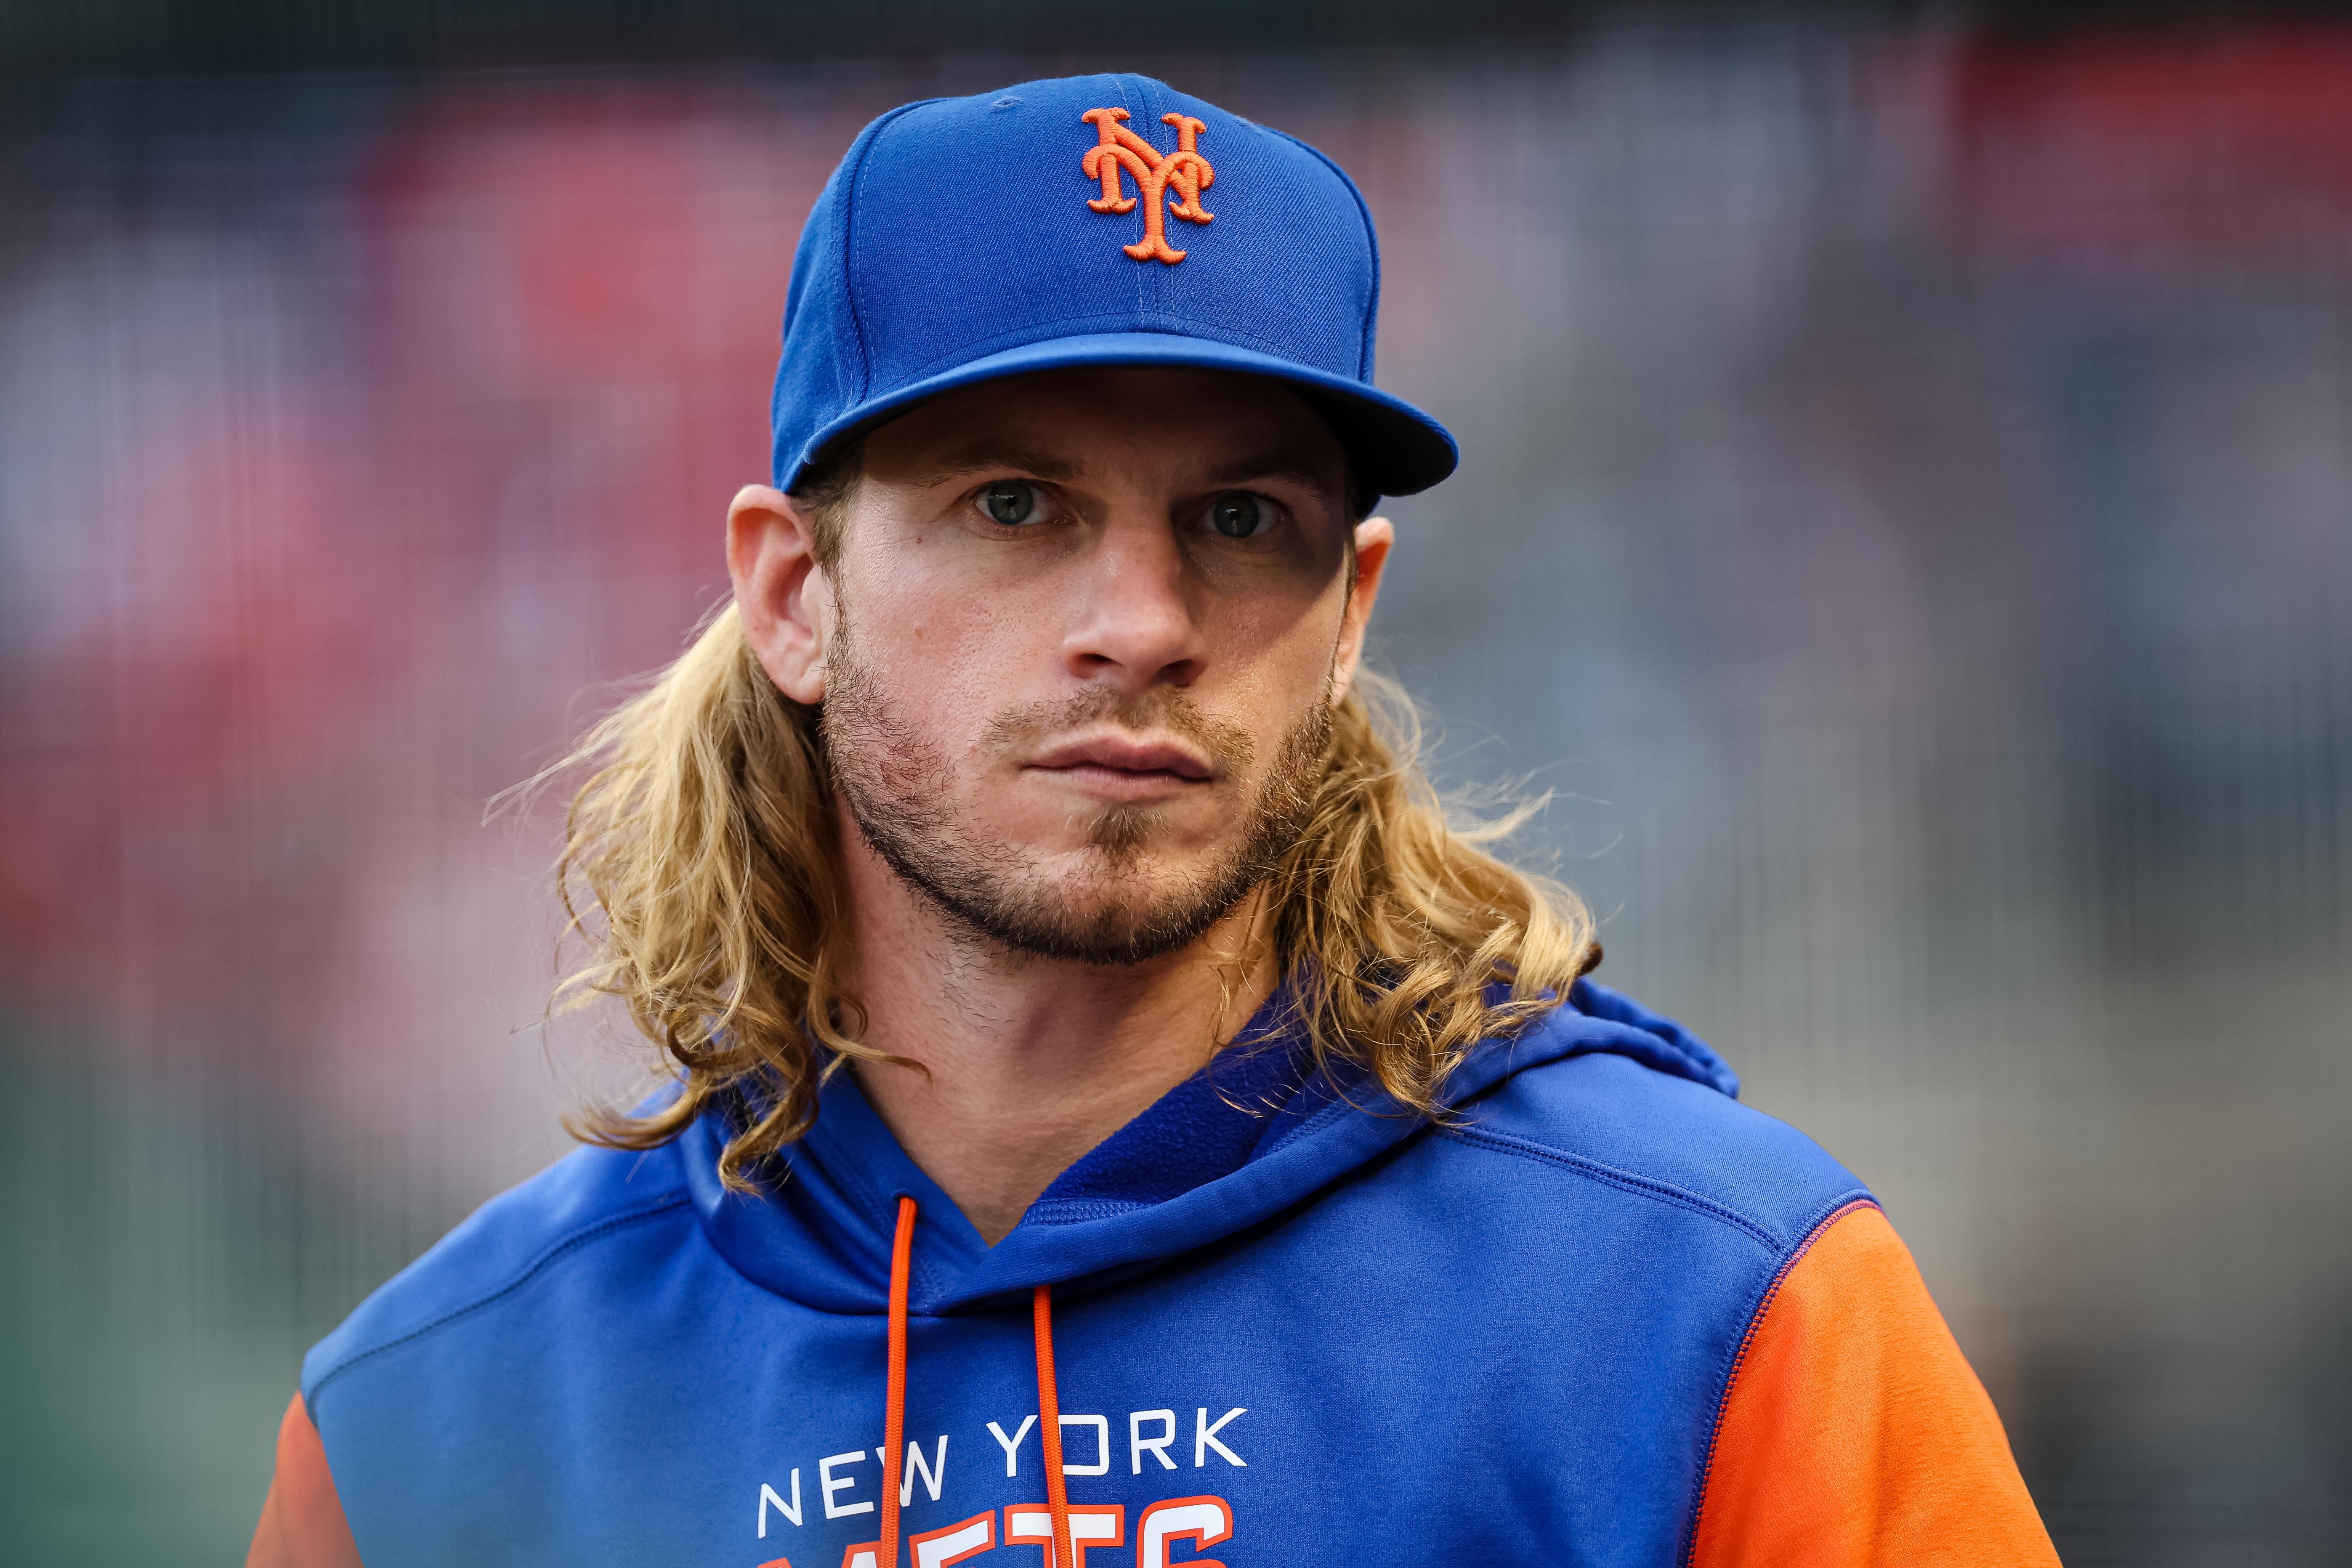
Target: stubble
1124 904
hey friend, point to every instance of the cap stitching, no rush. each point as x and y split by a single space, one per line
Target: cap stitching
1135 97
1372 244
1047 331
849 239
1155 295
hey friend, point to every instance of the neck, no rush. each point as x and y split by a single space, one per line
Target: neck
1025 1063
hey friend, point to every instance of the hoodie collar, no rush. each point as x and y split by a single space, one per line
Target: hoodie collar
1248 1136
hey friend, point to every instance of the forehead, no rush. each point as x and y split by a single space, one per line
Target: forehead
1148 427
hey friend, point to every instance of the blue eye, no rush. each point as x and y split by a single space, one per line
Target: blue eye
1012 503
1239 515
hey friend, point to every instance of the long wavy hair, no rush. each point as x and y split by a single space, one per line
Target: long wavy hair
701 867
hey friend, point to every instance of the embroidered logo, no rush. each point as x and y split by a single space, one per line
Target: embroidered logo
1182 174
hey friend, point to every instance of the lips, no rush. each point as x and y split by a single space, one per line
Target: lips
1115 752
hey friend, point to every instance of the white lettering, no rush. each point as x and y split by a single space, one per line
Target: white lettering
828 1484
1011 1445
1206 1519
1091 1524
791 1510
1204 1438
938 1548
916 1465
933 1479
1101 1466
1138 1445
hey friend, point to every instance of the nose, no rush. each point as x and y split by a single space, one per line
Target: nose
1132 621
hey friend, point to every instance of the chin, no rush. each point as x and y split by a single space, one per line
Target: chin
1114 912
1095 875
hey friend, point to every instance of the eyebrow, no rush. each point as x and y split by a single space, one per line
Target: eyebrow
980 458
1275 465
975 458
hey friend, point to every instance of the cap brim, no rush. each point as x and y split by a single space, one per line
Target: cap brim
1394 447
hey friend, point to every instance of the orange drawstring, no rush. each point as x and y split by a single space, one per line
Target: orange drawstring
1049 1420
894 1414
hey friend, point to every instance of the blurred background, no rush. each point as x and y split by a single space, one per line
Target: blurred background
1905 517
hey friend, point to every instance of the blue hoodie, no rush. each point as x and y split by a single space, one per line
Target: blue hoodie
1291 1326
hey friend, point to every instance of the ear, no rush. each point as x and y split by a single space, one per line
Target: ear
1373 537
780 592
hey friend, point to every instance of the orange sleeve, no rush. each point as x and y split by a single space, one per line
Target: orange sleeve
302 1524
1855 1433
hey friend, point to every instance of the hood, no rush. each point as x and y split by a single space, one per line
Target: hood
1190 1170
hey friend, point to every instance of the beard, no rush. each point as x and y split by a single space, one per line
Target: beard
1122 904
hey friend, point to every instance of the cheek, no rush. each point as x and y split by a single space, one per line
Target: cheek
946 659
1279 646
1277 673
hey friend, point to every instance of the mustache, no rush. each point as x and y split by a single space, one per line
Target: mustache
1163 708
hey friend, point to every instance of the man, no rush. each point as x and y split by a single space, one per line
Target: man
1108 1107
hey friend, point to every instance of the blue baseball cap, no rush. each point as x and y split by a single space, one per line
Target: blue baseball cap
1094 220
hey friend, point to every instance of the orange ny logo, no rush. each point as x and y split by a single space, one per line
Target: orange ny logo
1184 173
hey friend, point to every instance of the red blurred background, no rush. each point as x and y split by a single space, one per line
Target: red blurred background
1906 515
